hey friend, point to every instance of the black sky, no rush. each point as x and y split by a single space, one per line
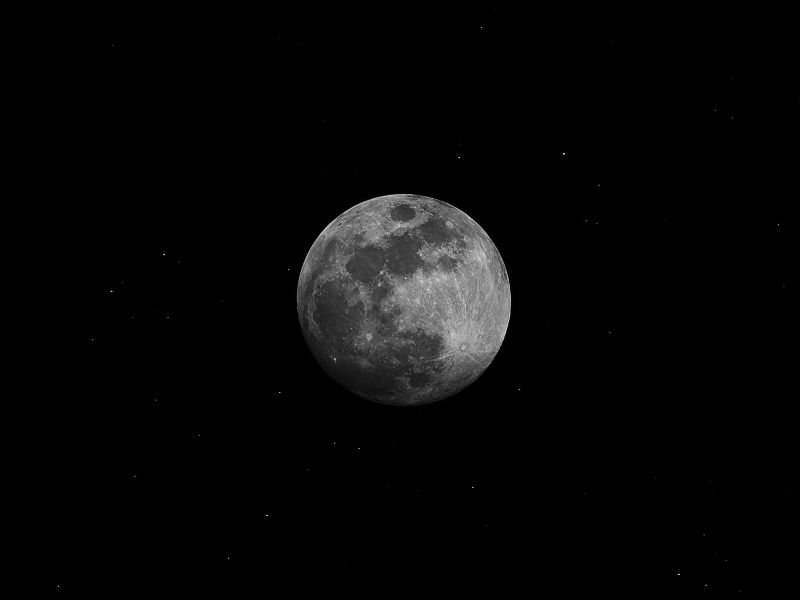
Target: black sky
634 433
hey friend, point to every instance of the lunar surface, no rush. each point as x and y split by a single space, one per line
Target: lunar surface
404 300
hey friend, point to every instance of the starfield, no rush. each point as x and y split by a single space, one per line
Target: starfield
633 433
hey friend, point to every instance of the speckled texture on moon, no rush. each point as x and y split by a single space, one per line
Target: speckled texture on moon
404 300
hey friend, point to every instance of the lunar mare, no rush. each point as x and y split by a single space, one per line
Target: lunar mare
404 300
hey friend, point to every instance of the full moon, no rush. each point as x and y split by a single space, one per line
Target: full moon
404 300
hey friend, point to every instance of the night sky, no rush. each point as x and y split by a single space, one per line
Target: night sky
633 435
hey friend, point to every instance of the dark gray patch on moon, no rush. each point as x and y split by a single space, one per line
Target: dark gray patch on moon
366 263
403 213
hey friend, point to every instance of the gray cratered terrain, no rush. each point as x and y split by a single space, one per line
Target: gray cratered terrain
404 300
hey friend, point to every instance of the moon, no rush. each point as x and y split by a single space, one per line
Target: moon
404 300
